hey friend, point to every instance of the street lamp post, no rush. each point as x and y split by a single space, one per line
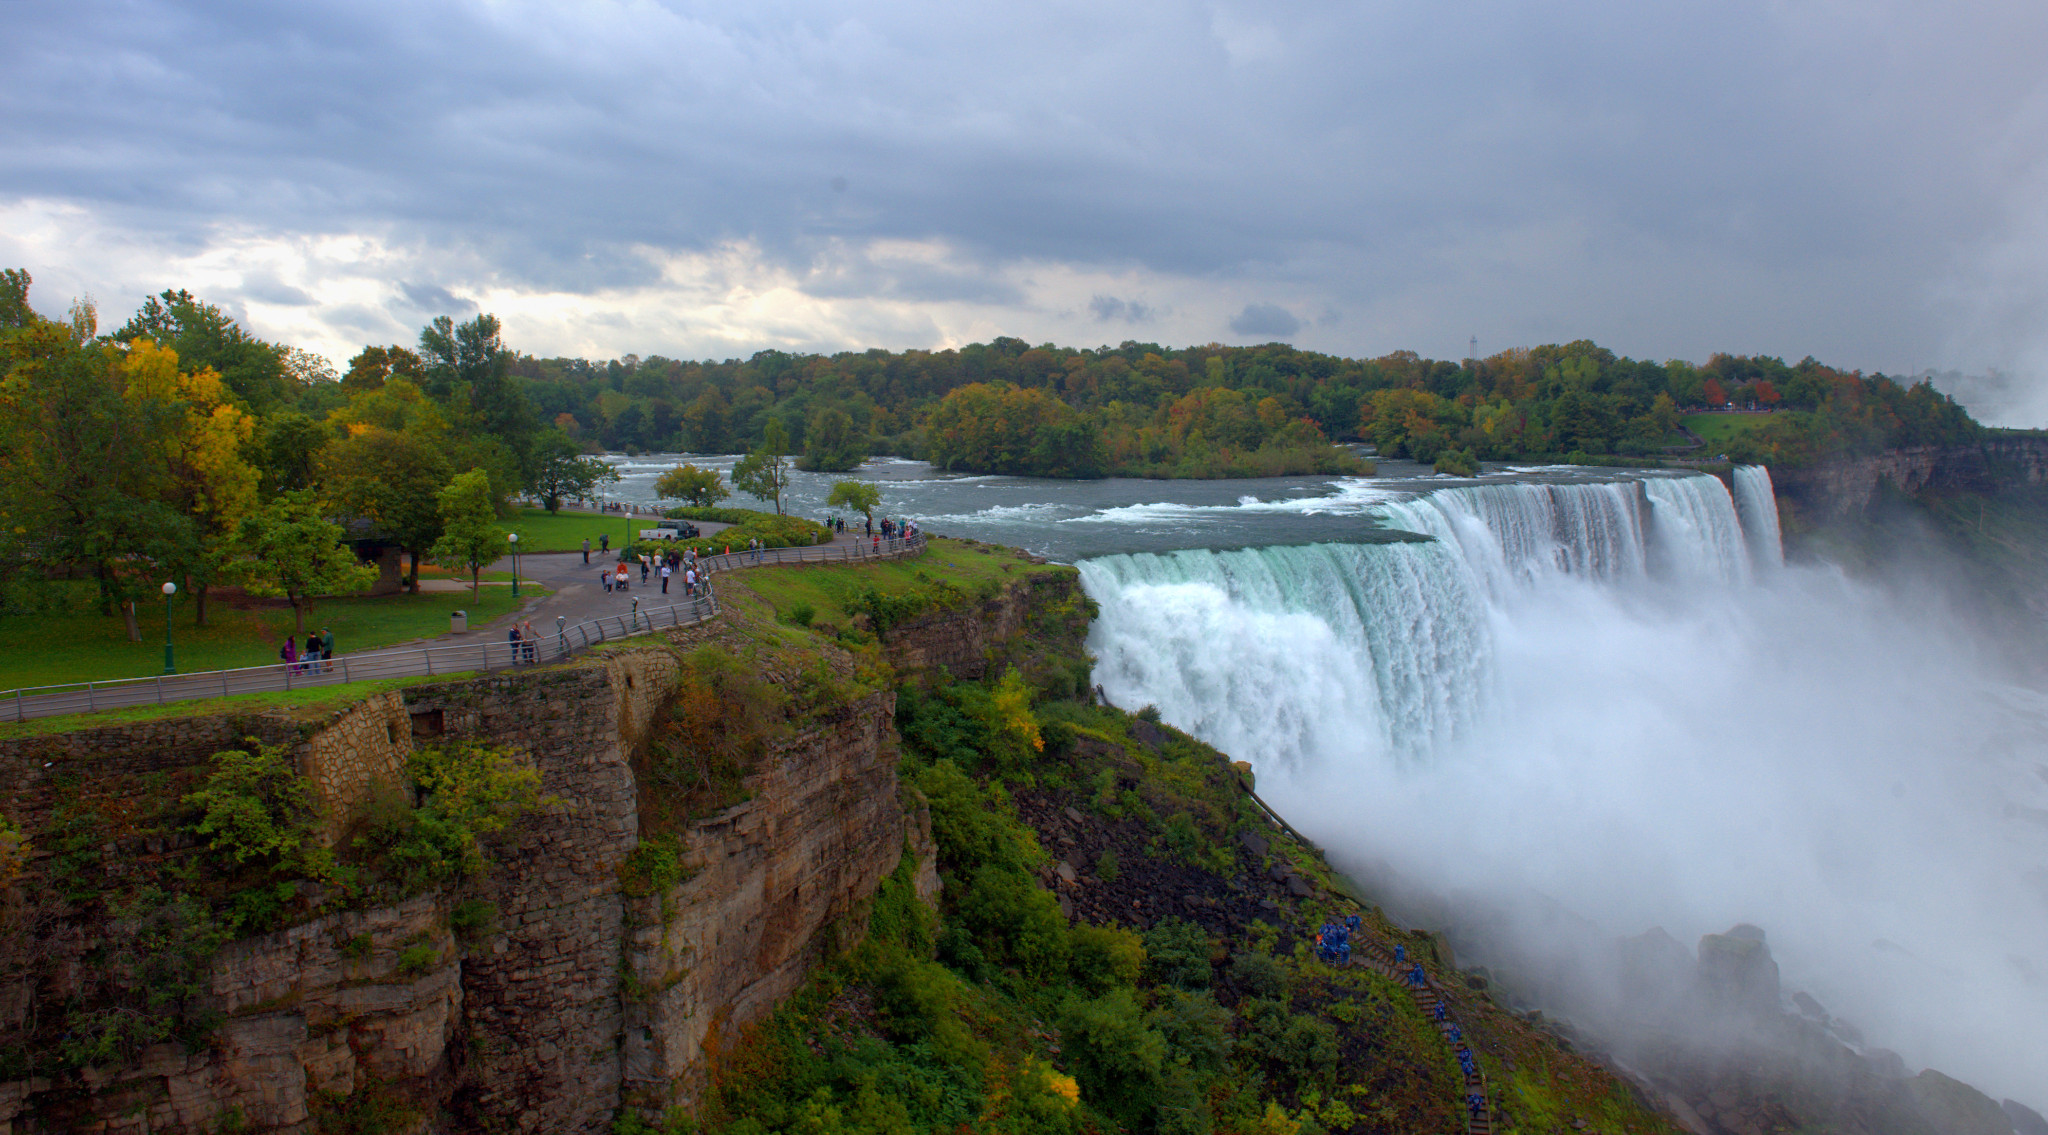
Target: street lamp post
514 538
170 660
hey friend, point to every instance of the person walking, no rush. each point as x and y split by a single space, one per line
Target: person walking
586 549
327 648
512 640
604 542
690 581
531 641
289 652
605 578
665 572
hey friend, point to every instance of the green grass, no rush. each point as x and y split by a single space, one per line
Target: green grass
828 588
565 531
323 698
1719 429
65 639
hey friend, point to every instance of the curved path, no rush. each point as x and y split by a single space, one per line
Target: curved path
1477 1104
599 617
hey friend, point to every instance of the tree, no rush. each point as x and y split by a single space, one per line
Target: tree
467 364
295 552
861 496
832 444
764 473
701 487
375 366
289 449
195 455
71 488
393 480
469 531
204 336
560 470
1715 395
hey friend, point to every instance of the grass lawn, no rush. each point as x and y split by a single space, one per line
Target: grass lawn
322 699
1719 429
67 640
829 588
565 531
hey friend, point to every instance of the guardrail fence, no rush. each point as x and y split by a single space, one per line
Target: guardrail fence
429 660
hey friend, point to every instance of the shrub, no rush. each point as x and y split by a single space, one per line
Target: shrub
803 614
1260 975
1178 953
1457 463
470 792
1105 866
1113 1054
473 919
1103 958
654 866
358 948
255 807
1017 921
1196 1028
417 959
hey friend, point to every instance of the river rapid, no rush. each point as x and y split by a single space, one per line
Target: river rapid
1576 704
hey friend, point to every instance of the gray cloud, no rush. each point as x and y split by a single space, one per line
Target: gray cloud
1265 321
269 289
1671 179
1110 308
436 300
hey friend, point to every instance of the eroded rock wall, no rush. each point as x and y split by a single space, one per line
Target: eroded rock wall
1833 489
771 876
577 998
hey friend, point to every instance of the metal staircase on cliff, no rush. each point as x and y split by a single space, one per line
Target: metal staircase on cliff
1479 1120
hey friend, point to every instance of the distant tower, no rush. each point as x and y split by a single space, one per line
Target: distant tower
1474 356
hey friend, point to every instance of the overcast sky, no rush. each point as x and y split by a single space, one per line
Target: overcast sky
1865 181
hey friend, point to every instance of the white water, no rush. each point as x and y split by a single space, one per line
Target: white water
1758 505
1581 692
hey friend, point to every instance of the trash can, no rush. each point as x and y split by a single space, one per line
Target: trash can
458 621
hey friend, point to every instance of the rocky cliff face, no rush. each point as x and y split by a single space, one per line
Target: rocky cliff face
1833 489
578 997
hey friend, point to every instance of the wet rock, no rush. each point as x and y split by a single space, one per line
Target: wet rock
1956 1108
1739 972
1073 815
1280 872
1254 843
1886 1064
1066 872
2025 1120
1298 887
1147 734
1809 1006
1653 965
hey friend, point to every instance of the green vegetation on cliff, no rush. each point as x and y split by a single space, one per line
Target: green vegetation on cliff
1123 940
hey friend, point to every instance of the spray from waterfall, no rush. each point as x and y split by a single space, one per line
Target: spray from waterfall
1611 701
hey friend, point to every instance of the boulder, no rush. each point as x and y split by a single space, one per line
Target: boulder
2025 1120
1653 965
1956 1108
1739 972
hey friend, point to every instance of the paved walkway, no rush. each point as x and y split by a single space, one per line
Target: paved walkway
577 614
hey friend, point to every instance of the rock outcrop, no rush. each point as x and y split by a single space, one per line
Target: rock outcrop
576 998
1844 486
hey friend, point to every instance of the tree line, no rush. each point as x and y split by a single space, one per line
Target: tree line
165 438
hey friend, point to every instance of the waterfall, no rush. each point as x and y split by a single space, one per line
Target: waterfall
1604 707
1276 654
1509 534
1698 534
1757 502
1270 653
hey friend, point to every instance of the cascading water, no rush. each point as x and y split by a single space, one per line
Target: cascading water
1274 653
1591 694
1757 503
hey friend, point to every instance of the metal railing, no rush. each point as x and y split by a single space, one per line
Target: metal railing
424 661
